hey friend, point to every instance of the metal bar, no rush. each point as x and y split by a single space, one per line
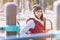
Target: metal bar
32 36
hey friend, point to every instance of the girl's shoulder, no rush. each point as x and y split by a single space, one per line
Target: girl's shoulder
29 19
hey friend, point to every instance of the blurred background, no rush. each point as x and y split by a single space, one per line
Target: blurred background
25 11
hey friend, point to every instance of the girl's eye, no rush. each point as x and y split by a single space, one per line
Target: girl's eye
39 11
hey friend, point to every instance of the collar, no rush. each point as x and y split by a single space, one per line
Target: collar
42 22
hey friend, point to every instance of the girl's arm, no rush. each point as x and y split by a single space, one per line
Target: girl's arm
24 30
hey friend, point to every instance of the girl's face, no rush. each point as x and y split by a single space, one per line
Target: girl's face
38 13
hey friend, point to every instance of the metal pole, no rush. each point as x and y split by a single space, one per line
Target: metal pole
11 11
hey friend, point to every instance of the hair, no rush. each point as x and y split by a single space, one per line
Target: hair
35 8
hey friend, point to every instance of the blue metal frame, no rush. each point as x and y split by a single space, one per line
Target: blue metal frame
34 36
11 28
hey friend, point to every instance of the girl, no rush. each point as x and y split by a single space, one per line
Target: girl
36 24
